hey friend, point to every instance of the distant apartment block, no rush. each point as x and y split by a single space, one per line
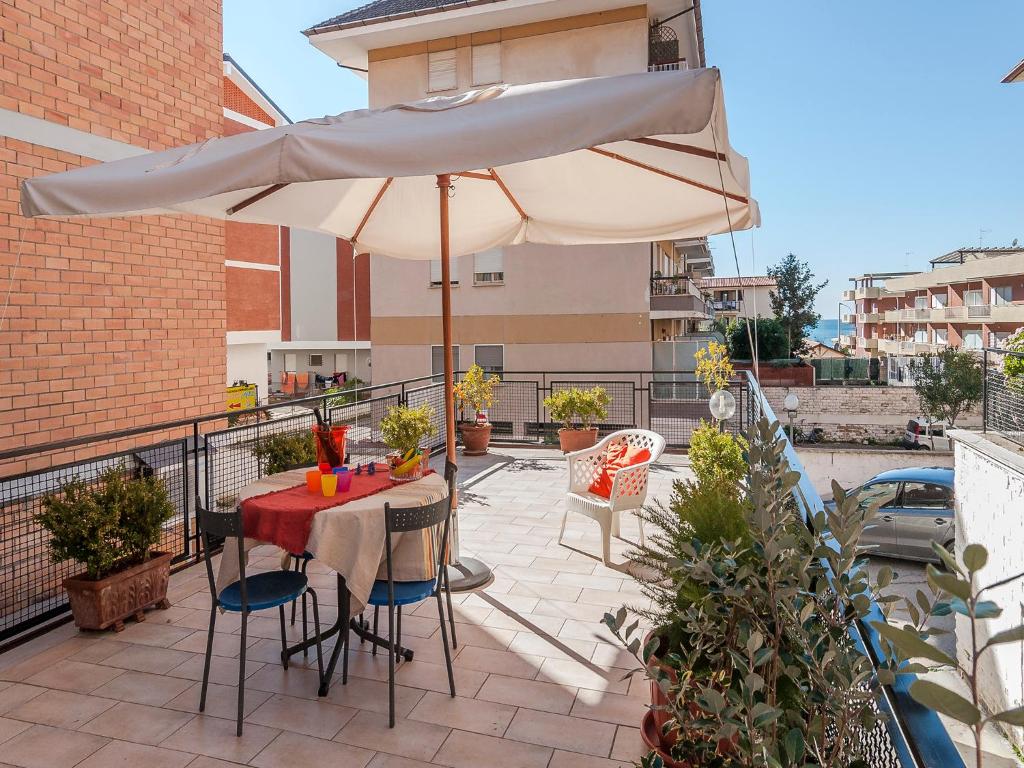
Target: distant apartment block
529 307
297 301
739 297
971 298
1015 75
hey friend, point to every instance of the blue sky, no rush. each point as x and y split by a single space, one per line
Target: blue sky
873 129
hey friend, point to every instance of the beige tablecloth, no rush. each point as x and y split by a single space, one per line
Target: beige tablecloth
350 538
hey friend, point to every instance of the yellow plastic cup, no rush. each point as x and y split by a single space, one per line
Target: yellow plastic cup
329 484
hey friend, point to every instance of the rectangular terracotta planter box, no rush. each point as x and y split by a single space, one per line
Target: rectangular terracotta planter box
110 600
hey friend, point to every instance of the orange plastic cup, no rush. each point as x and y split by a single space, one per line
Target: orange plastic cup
329 484
313 481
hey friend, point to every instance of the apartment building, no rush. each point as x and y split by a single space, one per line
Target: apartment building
296 301
1015 75
529 307
739 297
111 323
971 298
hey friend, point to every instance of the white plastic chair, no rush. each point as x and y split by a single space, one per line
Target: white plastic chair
629 487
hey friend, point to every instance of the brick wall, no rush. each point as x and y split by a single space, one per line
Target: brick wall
112 322
854 413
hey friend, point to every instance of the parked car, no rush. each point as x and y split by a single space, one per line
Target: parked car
915 509
920 431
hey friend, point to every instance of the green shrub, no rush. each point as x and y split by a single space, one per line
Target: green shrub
772 342
578 408
717 457
285 450
108 523
404 428
345 394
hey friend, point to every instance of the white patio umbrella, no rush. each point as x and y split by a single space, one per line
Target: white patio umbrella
624 159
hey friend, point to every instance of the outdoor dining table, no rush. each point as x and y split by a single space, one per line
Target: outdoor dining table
349 539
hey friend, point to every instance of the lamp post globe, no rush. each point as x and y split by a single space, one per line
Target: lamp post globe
722 405
792 402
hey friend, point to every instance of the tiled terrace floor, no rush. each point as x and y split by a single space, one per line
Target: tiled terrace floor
539 680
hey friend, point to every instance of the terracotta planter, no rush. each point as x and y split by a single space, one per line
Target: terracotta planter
650 732
475 438
109 601
577 439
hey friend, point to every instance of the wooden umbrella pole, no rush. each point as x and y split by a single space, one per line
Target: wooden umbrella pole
444 182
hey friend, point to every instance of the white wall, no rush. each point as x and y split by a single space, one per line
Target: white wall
989 489
248 362
357 362
314 286
850 467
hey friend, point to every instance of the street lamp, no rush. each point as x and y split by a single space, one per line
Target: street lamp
791 404
722 405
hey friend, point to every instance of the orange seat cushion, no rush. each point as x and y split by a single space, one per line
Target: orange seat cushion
618 457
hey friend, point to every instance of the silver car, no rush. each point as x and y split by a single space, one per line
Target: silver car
915 509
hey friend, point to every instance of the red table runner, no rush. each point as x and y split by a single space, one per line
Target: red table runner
285 517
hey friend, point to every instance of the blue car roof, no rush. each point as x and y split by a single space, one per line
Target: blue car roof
935 475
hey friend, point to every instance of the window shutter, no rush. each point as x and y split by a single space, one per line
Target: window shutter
487 64
490 357
441 70
489 261
437 360
435 272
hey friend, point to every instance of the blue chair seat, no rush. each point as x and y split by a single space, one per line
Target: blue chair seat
265 590
405 592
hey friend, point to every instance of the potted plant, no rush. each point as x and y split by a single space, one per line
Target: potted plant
403 429
577 410
285 450
760 667
477 392
110 526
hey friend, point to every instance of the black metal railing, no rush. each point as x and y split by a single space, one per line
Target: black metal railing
678 285
909 736
1003 393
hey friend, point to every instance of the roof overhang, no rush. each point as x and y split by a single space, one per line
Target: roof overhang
248 86
1015 75
349 43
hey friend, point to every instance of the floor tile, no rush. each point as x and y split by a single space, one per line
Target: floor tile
372 695
74 676
313 718
221 700
291 749
62 709
215 737
562 732
222 670
16 694
582 676
609 707
434 677
518 692
409 738
10 728
143 688
151 633
138 723
563 759
628 745
464 714
553 647
472 750
146 658
44 747
124 754
487 660
384 760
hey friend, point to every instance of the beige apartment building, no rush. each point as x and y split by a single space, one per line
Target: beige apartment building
971 298
738 297
529 307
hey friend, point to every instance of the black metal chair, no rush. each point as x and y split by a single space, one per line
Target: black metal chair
393 595
272 589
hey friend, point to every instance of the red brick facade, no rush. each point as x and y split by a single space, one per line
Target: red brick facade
112 323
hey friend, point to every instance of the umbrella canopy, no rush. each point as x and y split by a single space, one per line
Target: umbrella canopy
602 160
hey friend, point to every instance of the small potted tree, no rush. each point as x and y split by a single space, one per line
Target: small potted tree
403 429
577 410
110 526
475 393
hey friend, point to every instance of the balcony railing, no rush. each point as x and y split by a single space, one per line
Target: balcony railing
1003 394
725 305
677 294
979 311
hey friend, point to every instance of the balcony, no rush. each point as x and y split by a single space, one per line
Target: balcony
538 677
847 341
847 318
869 292
850 295
676 297
869 317
868 343
725 305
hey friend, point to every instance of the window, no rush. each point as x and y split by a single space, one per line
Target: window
487 64
939 300
316 361
435 273
490 357
291 362
882 494
972 339
1002 294
437 361
998 338
488 267
941 336
441 70
921 334
921 302
926 496
973 298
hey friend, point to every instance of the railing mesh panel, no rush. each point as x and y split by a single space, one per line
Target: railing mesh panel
1004 394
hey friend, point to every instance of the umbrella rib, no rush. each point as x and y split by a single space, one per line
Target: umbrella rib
511 198
373 206
669 174
256 198
687 148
